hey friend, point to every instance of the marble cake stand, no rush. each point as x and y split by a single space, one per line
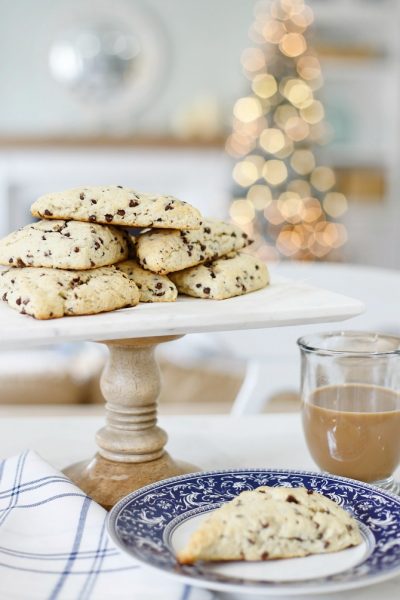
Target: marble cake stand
131 447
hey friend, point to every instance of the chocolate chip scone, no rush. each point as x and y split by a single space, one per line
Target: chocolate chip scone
117 205
272 522
152 287
168 251
229 276
53 293
64 245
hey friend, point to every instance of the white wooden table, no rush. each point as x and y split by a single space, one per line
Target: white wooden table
218 441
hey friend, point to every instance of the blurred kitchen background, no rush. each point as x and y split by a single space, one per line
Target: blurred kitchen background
283 116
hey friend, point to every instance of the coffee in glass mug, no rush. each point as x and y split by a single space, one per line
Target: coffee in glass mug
351 404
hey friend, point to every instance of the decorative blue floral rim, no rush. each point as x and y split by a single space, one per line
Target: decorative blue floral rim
143 522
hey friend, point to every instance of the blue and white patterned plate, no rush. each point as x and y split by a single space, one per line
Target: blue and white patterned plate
154 522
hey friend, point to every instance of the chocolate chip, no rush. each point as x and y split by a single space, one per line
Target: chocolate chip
108 218
198 285
144 261
82 196
48 213
133 203
257 267
92 218
26 301
51 314
96 245
202 247
20 263
264 525
92 264
206 290
23 311
212 275
4 296
207 230
264 555
158 285
348 527
291 498
160 294
76 249
309 492
44 237
18 301
67 234
10 260
233 234
327 544
120 187
169 206
93 201
201 257
121 212
251 541
245 236
101 241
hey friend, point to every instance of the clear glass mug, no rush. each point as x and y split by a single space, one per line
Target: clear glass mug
350 387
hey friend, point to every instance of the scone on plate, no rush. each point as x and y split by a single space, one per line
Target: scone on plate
169 251
64 245
53 293
272 522
232 275
152 287
117 205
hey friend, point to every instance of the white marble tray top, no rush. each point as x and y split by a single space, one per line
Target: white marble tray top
282 303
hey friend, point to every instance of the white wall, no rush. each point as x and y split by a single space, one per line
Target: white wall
205 40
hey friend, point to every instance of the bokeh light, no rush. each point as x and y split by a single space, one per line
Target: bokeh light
260 196
273 31
292 44
313 113
322 178
264 85
302 161
272 140
247 109
275 172
335 204
242 211
296 129
245 173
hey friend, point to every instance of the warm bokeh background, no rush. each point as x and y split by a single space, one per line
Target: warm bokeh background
144 93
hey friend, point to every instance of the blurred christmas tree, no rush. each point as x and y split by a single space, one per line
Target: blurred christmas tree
283 199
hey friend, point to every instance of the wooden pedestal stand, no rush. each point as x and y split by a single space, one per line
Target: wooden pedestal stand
131 446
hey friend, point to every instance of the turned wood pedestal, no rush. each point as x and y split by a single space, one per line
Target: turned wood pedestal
131 446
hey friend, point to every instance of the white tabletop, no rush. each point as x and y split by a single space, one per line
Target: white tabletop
281 303
271 440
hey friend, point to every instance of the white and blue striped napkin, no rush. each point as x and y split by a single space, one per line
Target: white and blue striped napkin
54 544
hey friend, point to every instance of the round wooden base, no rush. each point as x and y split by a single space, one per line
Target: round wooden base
107 481
131 445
